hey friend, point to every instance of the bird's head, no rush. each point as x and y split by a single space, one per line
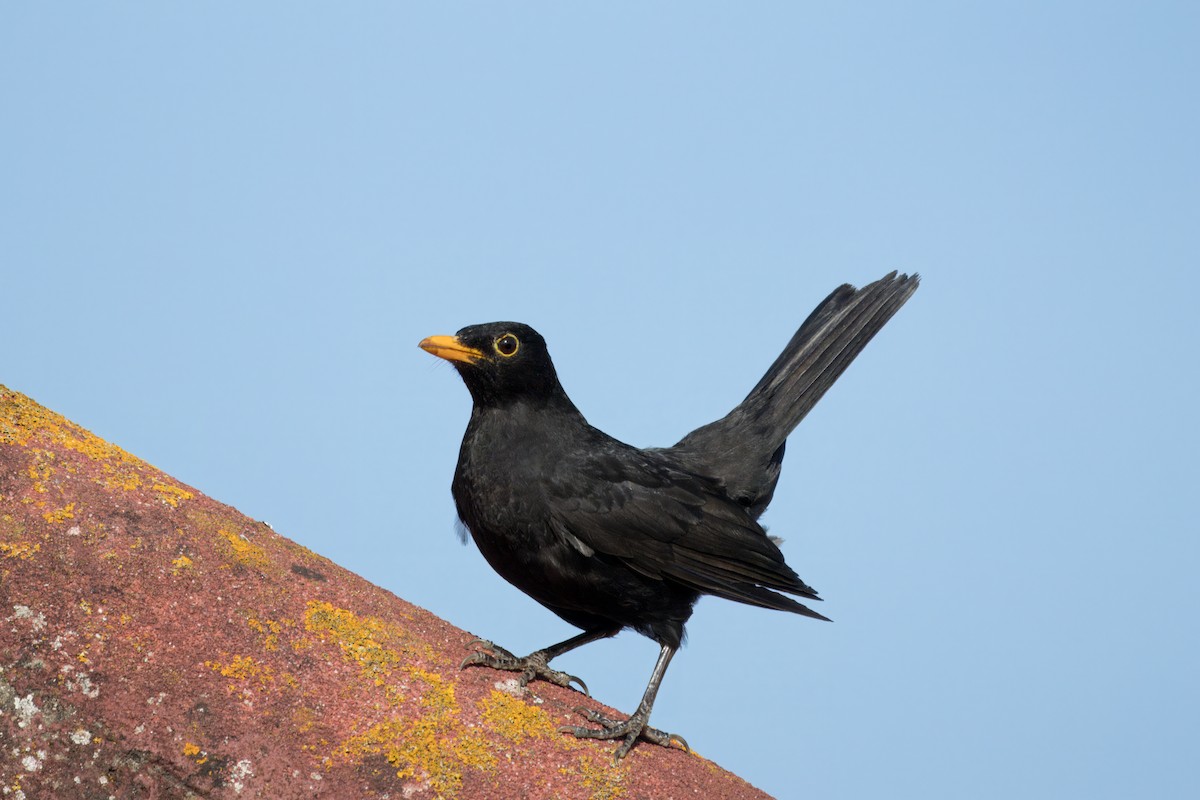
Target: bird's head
500 362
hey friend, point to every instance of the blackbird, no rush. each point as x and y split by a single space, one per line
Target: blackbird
609 536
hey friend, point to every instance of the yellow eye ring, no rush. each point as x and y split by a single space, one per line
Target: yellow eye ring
506 345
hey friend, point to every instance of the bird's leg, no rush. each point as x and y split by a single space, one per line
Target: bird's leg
536 664
637 725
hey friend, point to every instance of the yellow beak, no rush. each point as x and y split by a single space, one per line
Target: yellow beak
451 349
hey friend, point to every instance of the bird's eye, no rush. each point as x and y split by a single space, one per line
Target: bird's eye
506 345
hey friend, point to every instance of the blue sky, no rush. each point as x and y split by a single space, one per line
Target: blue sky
224 228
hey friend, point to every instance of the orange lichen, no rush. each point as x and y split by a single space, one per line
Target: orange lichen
436 747
514 719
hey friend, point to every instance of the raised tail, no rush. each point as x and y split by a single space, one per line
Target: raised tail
745 447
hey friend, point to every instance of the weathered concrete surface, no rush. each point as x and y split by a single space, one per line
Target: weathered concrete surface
155 643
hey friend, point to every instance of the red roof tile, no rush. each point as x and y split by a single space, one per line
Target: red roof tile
156 643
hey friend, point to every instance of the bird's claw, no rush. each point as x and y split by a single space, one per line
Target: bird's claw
485 651
484 644
531 667
629 730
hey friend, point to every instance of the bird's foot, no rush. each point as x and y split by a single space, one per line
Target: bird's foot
629 730
531 667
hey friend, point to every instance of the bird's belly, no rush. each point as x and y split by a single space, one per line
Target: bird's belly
539 564
588 591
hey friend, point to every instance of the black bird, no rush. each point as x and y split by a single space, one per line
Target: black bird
610 536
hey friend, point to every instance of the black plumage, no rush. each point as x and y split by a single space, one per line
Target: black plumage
610 536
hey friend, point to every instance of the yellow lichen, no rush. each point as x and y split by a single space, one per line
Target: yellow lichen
305 719
39 477
514 719
178 565
64 513
126 481
14 544
231 531
171 494
21 550
436 747
270 630
361 640
243 667
600 778
25 423
244 551
194 752
21 419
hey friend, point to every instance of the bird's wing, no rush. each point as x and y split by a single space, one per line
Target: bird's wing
669 524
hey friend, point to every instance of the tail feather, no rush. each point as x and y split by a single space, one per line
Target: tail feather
821 350
745 447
